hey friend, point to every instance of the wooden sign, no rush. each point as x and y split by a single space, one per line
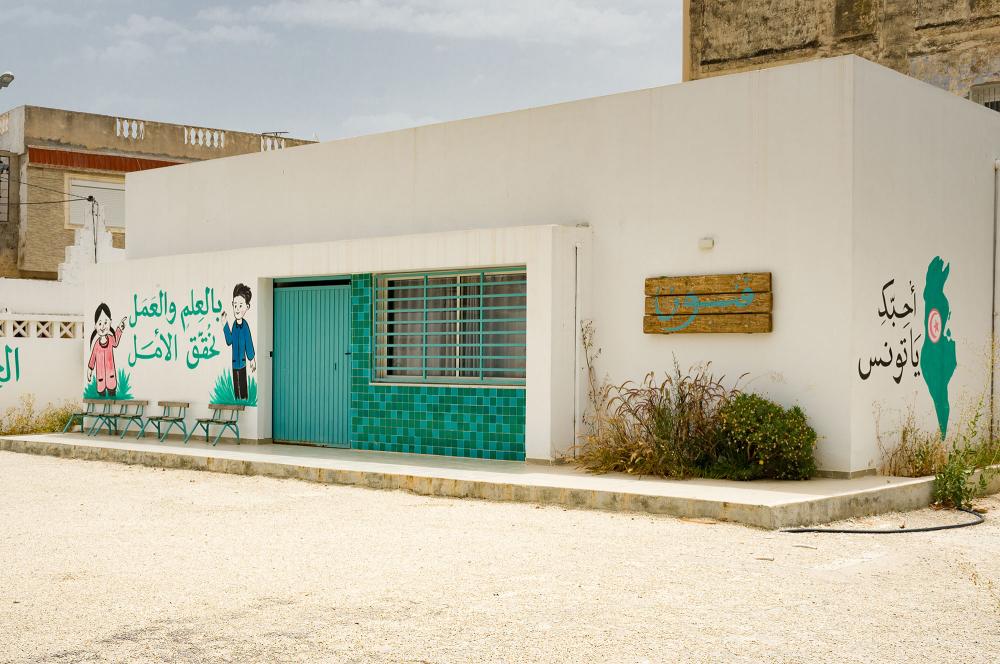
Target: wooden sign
708 303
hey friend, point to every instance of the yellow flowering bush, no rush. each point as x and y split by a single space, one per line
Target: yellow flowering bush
760 439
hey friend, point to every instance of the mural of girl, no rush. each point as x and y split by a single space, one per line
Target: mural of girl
102 356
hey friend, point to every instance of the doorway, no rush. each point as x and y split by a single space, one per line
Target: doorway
312 362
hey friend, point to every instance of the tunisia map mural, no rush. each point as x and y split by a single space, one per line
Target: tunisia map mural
929 353
937 357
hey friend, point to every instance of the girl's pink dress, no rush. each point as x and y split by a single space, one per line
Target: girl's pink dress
102 360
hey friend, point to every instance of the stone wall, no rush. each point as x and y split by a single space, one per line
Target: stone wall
953 44
9 227
44 235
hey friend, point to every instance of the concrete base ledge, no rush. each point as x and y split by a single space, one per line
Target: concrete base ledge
506 481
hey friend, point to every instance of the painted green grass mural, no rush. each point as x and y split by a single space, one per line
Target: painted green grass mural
223 391
122 392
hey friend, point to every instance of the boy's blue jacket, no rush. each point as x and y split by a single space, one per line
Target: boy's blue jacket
239 339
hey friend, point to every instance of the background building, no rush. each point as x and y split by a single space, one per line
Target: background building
51 153
952 44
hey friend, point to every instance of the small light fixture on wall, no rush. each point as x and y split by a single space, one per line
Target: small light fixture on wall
706 243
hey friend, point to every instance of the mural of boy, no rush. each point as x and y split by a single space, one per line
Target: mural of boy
102 352
239 338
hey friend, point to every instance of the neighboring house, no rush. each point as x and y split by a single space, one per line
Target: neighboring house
952 44
49 151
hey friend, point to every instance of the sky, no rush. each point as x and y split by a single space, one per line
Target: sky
329 69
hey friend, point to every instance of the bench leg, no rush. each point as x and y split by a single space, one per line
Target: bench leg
160 435
128 423
96 426
194 430
72 420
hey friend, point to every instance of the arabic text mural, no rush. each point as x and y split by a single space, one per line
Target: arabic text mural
929 354
710 303
194 341
185 332
900 324
10 371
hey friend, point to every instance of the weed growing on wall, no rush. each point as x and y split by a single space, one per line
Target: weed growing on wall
223 392
962 464
122 392
908 451
26 418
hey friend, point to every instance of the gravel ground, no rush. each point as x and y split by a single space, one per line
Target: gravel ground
104 562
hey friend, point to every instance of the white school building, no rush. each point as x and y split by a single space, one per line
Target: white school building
423 290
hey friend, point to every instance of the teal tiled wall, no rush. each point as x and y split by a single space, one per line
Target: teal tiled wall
479 422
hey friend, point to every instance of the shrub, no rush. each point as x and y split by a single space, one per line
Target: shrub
759 438
951 482
25 419
689 424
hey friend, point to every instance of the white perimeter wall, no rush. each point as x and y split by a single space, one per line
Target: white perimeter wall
764 162
37 296
46 368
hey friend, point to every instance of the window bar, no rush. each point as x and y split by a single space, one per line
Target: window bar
458 327
482 362
423 362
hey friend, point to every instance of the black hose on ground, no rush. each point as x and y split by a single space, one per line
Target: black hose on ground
889 531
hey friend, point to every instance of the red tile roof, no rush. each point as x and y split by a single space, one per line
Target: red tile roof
96 162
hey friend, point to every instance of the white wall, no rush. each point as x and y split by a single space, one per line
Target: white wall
35 296
133 285
49 368
760 161
13 139
923 187
775 165
46 368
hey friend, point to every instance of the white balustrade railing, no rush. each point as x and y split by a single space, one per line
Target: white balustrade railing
16 326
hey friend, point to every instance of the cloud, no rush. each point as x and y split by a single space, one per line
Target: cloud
124 51
359 125
140 37
560 22
34 16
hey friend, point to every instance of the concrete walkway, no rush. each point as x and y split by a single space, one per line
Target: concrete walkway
766 504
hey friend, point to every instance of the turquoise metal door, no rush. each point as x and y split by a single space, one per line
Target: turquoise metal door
312 370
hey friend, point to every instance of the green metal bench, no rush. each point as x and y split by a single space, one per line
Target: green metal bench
225 416
89 410
173 414
105 417
131 411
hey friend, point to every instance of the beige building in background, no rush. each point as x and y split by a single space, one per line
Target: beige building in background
55 159
952 44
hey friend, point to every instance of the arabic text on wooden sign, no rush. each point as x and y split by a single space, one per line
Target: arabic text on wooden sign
719 303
